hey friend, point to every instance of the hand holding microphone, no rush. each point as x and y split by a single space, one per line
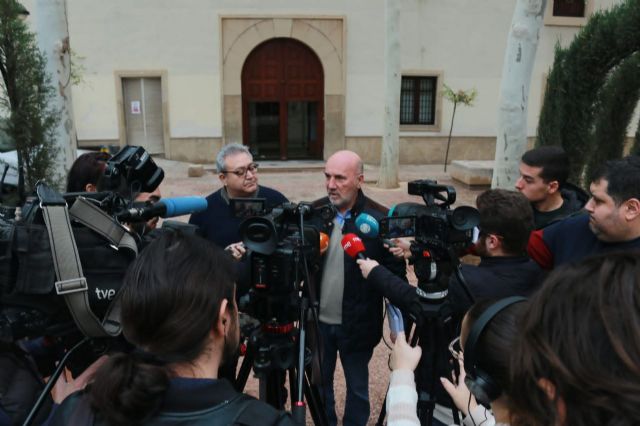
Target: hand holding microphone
353 246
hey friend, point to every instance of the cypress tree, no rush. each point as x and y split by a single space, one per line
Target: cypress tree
616 104
579 76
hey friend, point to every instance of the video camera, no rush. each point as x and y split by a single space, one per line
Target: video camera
441 234
284 249
284 256
32 299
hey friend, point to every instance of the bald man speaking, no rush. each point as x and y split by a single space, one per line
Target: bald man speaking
351 313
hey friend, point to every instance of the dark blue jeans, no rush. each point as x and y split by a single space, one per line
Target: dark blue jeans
356 372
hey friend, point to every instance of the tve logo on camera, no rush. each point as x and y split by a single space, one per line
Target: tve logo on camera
106 294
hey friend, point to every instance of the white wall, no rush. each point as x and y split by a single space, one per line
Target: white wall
465 39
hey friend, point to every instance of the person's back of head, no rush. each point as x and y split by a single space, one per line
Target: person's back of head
507 214
86 172
577 359
553 162
488 334
170 302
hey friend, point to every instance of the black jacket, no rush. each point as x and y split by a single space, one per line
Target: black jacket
573 200
191 402
495 278
362 313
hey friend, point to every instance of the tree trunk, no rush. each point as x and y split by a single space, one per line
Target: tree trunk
389 156
519 60
446 154
53 40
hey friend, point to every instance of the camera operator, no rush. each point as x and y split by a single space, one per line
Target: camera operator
86 175
350 311
543 180
505 224
86 172
182 333
612 222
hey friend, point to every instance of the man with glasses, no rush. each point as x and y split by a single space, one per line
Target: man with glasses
506 220
239 177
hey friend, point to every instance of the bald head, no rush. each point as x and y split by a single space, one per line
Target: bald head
344 176
348 159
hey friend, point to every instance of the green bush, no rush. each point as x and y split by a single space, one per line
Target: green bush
586 108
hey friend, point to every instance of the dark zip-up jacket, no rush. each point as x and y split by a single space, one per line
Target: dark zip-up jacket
362 308
187 401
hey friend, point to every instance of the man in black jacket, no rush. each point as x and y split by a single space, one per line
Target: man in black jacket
504 270
543 180
350 310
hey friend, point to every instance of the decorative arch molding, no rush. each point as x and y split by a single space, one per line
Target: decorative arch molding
324 35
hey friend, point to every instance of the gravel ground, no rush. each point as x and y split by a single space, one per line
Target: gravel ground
308 185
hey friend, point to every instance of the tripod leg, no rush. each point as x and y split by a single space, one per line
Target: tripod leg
312 394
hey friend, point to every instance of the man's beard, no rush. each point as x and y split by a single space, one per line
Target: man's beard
481 247
231 343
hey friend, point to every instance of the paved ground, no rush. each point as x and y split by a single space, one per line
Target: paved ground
307 185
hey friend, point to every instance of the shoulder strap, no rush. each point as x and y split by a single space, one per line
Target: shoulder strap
94 218
71 284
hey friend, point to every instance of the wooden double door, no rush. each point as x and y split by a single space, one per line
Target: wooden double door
283 101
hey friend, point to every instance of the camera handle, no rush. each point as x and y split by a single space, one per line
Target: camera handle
52 381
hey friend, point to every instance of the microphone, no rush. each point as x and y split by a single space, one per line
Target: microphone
324 242
367 225
352 244
166 207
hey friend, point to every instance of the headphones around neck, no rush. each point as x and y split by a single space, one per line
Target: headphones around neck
480 384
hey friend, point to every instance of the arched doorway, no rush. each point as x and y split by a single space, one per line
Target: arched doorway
283 101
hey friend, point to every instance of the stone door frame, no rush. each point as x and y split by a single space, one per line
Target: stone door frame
326 36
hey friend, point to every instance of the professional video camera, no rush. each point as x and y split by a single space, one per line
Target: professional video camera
63 258
441 234
31 304
284 255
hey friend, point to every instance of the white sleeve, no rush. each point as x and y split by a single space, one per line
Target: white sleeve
479 416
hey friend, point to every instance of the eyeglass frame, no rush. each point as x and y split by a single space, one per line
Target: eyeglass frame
253 167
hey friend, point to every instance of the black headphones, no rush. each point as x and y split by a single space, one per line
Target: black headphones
480 384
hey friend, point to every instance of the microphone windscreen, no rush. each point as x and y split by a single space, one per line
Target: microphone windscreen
183 205
324 242
352 245
367 225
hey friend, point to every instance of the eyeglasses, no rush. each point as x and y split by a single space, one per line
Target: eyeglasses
455 349
242 171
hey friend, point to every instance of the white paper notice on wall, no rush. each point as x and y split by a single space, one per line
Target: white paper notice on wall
135 107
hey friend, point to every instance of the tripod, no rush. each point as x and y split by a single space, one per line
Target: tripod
435 324
271 351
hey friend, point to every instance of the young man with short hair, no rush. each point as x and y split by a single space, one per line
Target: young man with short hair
543 180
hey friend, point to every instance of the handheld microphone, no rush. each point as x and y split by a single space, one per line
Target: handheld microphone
352 244
166 207
324 242
367 225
